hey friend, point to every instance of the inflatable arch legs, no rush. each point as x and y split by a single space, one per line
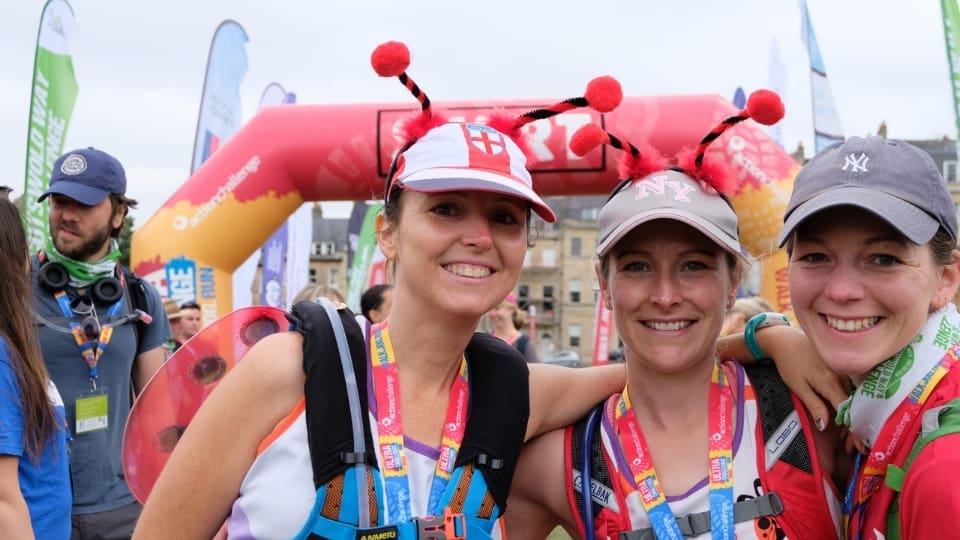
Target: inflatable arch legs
289 154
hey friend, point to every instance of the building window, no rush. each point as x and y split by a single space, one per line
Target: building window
548 292
950 171
575 246
321 249
574 291
574 335
549 257
333 278
313 275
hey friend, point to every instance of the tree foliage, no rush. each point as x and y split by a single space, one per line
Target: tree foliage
126 235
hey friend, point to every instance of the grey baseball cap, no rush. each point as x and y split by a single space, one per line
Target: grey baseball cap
893 179
672 195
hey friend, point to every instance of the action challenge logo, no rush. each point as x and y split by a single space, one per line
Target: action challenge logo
181 222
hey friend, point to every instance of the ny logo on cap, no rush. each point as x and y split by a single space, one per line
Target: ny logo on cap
658 184
857 163
486 139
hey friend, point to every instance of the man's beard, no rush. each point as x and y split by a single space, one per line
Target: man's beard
88 248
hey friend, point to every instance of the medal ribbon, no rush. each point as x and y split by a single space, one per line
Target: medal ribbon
637 453
867 481
390 429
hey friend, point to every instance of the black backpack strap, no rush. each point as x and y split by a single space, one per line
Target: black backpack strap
137 295
329 429
499 410
781 439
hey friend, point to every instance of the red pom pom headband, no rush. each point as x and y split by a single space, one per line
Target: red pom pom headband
391 59
764 106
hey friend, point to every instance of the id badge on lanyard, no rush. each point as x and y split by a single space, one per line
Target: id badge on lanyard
91 411
92 337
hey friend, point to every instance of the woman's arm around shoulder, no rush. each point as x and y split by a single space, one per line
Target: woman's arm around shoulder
798 363
197 487
538 500
559 396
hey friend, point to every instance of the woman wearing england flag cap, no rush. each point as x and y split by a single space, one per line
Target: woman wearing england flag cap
872 234
443 411
692 446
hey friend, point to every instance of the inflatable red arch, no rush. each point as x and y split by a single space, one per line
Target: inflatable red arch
289 154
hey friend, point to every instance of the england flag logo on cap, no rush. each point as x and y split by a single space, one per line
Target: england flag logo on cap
485 139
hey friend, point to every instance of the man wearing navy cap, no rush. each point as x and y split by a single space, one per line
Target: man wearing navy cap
102 331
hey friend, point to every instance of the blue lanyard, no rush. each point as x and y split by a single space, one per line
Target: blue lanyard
852 510
90 357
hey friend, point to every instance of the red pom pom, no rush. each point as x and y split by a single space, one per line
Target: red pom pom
586 139
390 59
648 162
765 107
604 93
712 172
416 126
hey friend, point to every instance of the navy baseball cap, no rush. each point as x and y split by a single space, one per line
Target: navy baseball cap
893 179
87 175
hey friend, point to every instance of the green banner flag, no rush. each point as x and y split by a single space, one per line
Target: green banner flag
358 275
951 31
51 105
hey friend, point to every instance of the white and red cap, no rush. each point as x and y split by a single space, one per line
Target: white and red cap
453 156
469 157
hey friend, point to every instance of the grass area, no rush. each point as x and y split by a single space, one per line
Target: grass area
559 534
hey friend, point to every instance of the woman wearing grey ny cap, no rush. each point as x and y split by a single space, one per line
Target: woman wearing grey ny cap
692 446
872 233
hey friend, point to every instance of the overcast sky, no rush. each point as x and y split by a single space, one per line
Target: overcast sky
140 66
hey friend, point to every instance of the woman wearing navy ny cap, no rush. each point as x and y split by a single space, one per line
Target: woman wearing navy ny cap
872 234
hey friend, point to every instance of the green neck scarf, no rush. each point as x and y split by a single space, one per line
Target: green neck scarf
84 274
904 374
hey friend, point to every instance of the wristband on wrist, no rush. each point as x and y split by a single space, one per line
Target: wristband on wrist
761 320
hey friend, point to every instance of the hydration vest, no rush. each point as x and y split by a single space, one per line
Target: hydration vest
477 492
790 474
939 416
